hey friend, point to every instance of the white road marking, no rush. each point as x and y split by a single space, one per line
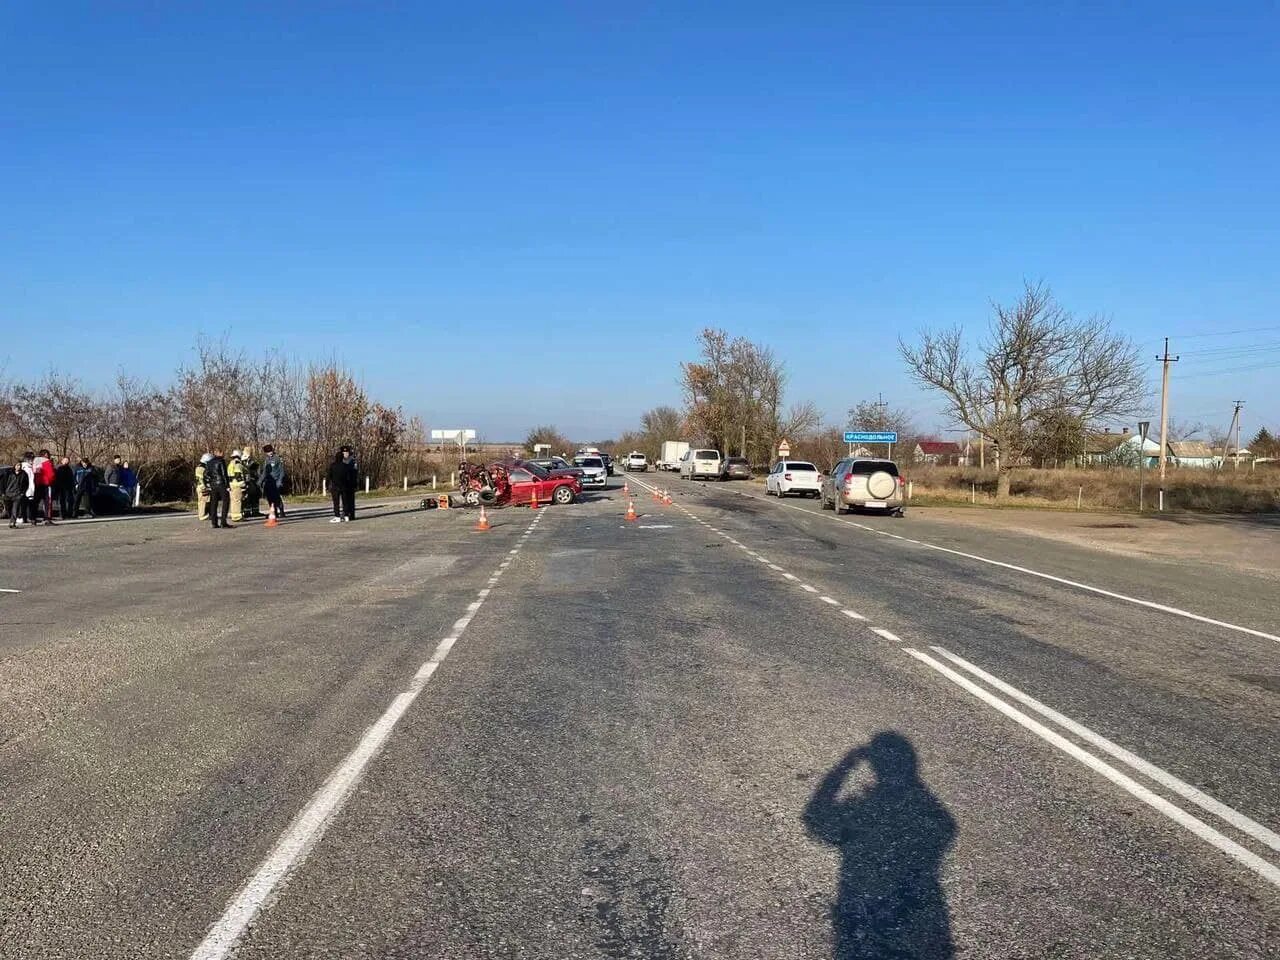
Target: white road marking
789 576
774 566
1248 858
880 631
852 614
834 603
1162 777
9 590
808 589
310 824
1149 604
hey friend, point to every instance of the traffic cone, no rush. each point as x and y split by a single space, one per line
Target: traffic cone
631 510
533 500
626 489
666 497
484 519
271 518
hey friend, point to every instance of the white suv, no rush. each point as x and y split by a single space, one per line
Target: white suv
637 463
793 476
867 483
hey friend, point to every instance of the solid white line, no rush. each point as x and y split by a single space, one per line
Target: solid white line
1257 864
9 590
1162 777
310 824
1149 604
852 614
886 634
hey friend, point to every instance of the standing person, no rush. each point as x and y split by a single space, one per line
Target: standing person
235 473
25 511
342 484
64 487
202 492
86 487
273 480
14 491
216 482
42 467
115 472
128 480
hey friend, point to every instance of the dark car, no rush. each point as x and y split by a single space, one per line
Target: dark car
735 468
556 464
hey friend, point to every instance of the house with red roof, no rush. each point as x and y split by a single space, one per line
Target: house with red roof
945 452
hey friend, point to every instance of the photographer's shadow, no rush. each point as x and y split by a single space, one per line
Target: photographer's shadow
892 838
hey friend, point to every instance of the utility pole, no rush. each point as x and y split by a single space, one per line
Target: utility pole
881 425
1164 414
1235 427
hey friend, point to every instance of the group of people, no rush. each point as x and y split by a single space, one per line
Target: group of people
222 485
31 487
231 488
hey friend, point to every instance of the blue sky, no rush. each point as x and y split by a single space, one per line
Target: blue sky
522 213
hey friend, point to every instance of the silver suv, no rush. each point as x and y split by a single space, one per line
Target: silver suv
865 482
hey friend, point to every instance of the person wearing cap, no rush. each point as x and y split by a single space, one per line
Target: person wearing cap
235 473
202 491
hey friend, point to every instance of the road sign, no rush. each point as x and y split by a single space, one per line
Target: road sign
857 436
784 449
460 436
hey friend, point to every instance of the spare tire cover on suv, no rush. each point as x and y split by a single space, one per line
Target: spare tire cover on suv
881 485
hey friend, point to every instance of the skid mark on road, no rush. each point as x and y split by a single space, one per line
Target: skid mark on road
291 850
1247 826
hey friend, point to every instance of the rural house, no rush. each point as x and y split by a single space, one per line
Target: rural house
1119 449
1192 453
945 452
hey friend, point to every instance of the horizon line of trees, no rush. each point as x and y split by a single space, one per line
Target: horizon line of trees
222 400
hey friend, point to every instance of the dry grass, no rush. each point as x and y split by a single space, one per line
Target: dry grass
1207 491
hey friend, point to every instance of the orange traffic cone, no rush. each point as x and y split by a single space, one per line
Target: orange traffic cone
271 518
533 500
666 497
631 510
626 489
484 519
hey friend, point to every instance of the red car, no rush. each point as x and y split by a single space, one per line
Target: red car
528 480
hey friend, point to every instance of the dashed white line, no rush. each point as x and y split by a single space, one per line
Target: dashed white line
833 602
310 824
808 589
852 614
880 631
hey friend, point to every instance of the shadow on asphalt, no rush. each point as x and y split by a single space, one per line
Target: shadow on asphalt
892 838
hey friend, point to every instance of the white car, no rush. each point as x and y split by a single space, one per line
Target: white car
793 476
700 464
637 463
594 471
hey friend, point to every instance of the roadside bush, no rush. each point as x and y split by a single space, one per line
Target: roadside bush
1209 491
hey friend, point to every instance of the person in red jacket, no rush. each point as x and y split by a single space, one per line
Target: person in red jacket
43 468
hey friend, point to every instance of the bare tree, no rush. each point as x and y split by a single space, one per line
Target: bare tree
1036 362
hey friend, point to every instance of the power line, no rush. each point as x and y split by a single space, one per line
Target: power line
1224 333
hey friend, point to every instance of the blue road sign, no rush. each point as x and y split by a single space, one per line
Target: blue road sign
855 436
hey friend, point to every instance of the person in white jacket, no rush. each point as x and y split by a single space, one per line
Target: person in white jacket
25 506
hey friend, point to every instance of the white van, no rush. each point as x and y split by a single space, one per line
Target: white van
700 464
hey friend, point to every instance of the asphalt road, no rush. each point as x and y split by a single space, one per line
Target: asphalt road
733 728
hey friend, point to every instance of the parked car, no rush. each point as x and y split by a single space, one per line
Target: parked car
735 468
865 482
637 463
793 476
597 452
556 465
528 480
700 464
594 472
